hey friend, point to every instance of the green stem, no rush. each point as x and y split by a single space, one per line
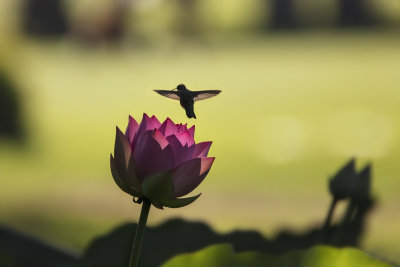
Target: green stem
137 244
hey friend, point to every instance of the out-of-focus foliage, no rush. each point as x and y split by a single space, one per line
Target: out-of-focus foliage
94 22
44 18
10 109
20 250
191 236
224 256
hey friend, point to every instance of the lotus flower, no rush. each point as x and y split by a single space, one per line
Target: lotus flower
159 162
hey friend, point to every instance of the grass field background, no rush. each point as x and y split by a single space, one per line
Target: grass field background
294 107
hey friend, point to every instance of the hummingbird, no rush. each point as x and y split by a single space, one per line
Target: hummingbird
187 97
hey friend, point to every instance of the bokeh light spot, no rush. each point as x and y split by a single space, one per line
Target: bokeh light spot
358 132
282 140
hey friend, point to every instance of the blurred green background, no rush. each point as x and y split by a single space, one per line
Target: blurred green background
298 100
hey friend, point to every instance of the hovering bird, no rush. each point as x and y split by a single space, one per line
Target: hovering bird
187 97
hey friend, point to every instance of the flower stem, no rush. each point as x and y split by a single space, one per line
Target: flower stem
330 214
137 244
344 226
327 224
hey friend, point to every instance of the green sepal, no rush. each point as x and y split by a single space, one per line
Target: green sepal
157 204
121 184
158 187
179 202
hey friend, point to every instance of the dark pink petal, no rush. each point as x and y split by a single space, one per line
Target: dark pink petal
155 122
134 191
185 138
150 158
190 174
182 127
146 124
122 151
206 164
191 131
168 127
132 178
159 137
182 153
131 130
201 149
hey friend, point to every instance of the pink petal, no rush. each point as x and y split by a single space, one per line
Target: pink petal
185 138
159 137
206 164
182 153
201 149
146 124
150 158
155 122
182 127
191 131
168 127
122 150
131 130
190 174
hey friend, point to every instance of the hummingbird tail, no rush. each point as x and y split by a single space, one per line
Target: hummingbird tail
190 113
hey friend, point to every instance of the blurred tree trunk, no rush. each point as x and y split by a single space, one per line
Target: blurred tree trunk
354 13
187 19
10 109
44 18
110 25
283 14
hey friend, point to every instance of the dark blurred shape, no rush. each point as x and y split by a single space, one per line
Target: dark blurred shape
348 185
162 242
338 235
108 26
18 250
178 236
10 109
340 187
187 21
44 18
362 190
360 203
283 15
354 187
354 13
343 182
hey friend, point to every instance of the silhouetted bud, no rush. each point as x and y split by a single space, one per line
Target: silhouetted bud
342 184
361 190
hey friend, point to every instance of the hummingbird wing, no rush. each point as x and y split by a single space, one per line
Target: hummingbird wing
201 95
168 93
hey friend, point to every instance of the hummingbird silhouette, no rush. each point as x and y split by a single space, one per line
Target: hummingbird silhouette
187 97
